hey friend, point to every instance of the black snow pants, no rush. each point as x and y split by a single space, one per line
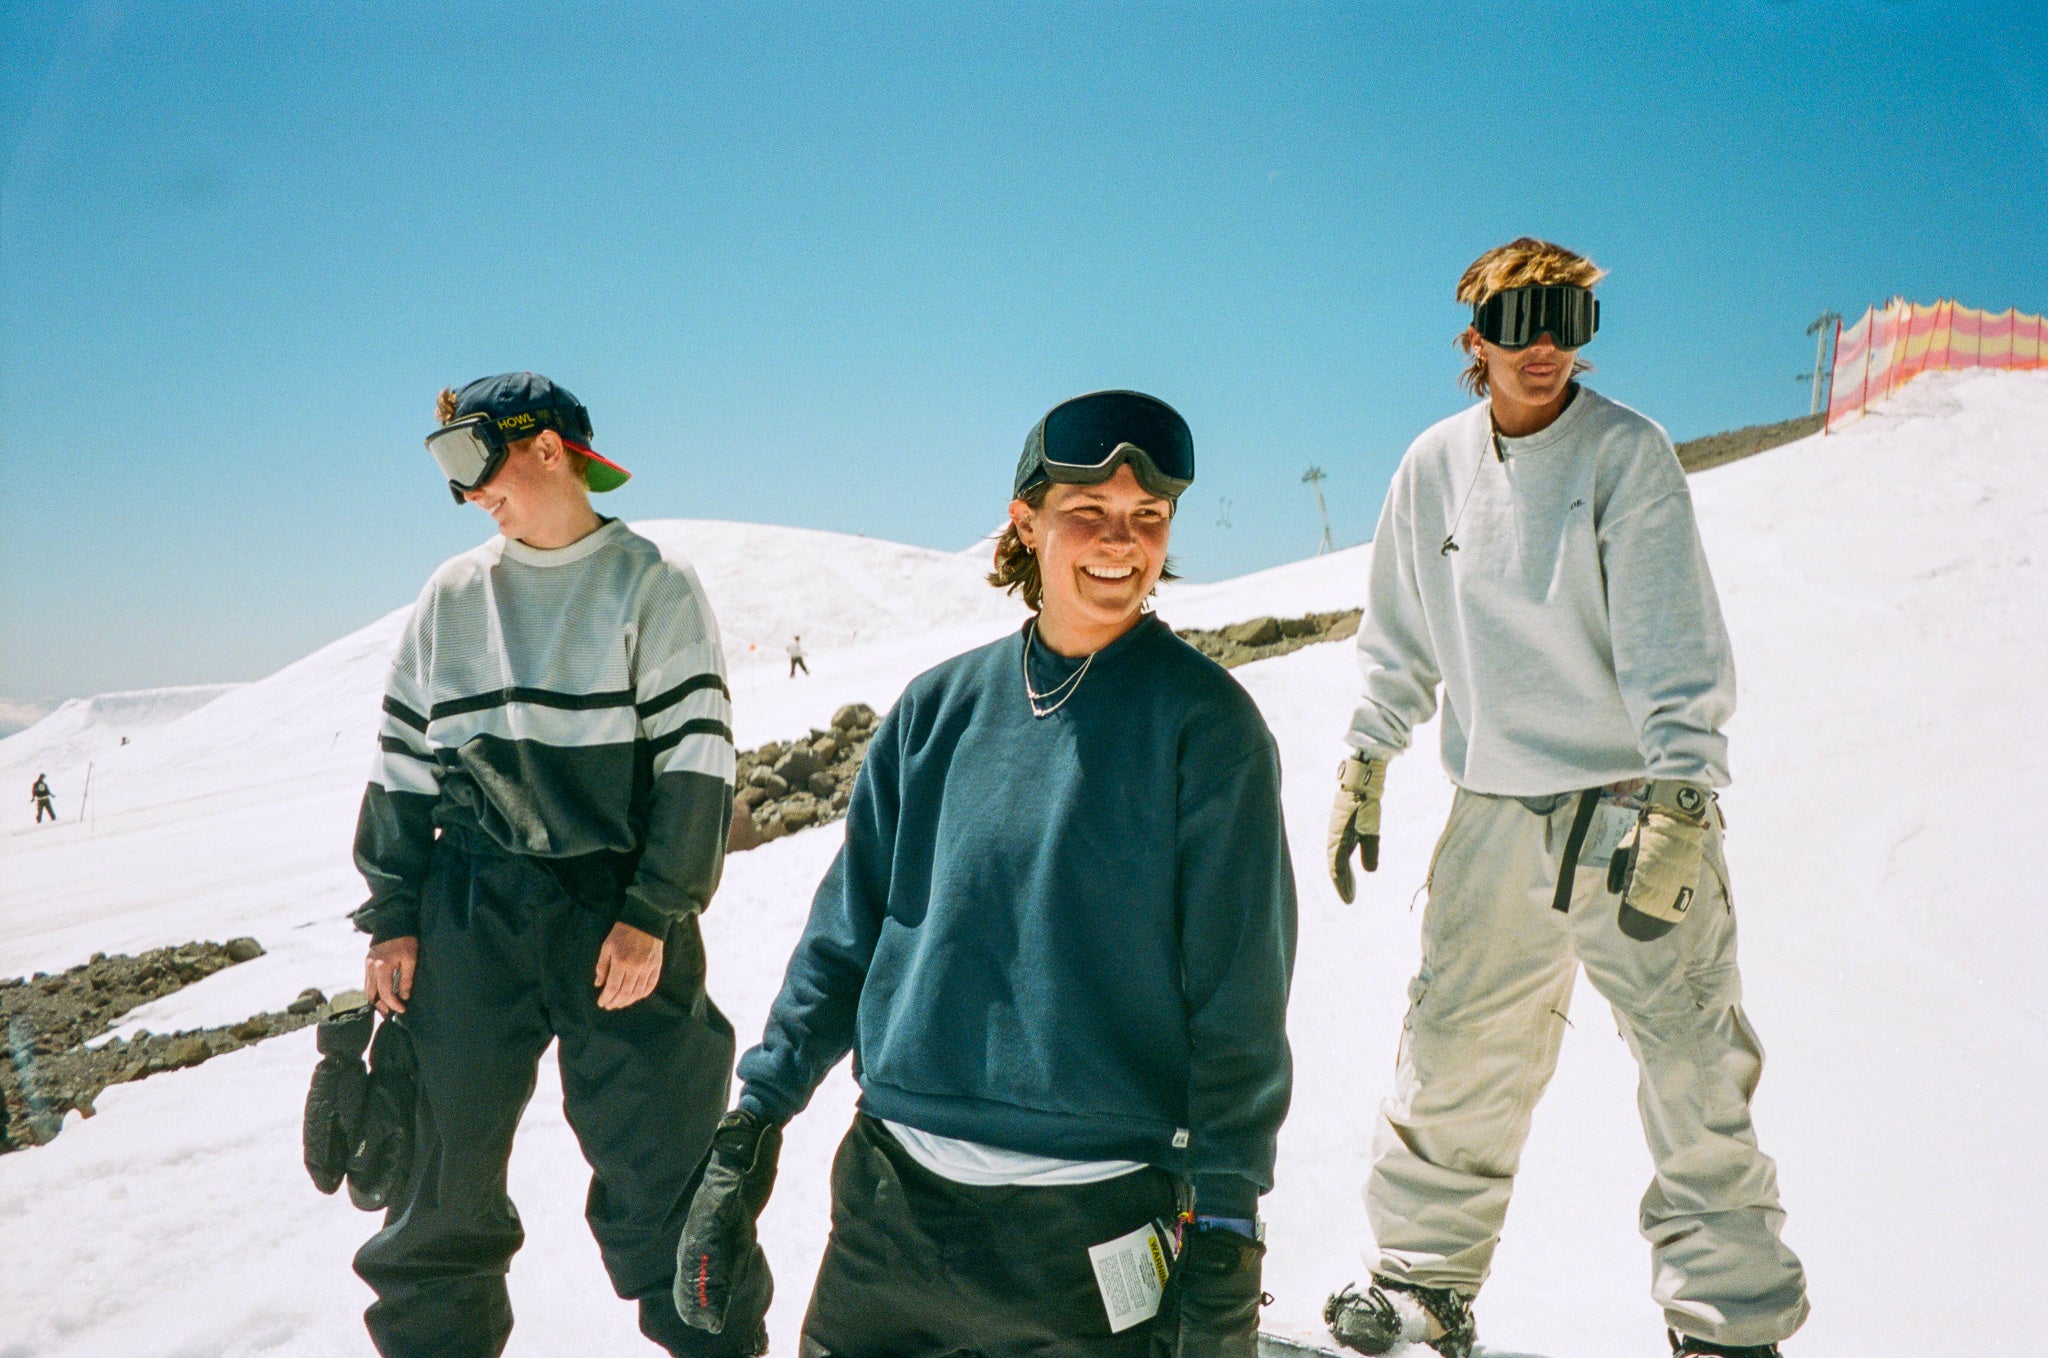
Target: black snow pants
45 807
919 1266
506 965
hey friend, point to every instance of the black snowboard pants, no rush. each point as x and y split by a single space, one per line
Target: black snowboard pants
919 1266
506 965
44 807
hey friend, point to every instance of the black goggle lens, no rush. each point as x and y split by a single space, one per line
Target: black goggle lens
1513 319
1085 433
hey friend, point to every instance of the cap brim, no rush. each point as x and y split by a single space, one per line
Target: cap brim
600 473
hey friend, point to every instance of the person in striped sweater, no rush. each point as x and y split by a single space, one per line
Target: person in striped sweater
547 817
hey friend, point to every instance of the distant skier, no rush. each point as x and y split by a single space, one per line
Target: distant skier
796 656
546 820
1057 941
1537 556
40 795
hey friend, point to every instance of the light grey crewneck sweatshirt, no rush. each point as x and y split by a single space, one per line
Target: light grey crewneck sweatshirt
1573 625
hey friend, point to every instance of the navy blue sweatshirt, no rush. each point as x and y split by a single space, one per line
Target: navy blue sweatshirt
1069 935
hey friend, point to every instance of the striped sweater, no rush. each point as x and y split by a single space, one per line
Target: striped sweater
568 705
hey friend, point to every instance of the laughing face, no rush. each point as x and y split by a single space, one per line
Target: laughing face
1100 550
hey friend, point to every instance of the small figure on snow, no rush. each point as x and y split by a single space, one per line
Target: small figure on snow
796 656
40 794
1052 1057
546 820
1537 555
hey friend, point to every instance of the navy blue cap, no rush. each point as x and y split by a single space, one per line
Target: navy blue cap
524 403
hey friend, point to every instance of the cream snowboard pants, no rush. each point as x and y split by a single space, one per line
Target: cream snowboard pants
1486 1016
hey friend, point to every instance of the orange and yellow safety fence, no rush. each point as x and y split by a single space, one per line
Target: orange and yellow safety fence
1893 344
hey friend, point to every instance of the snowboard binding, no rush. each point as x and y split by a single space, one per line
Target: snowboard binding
1388 1313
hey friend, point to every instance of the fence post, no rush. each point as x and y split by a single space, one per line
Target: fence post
1869 343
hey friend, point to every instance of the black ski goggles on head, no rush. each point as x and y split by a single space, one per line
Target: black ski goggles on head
1083 441
471 450
1513 319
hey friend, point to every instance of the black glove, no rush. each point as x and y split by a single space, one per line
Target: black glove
719 1259
1211 1306
380 1162
334 1104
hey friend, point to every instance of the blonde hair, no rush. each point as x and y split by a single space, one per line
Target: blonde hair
444 411
1016 569
1515 265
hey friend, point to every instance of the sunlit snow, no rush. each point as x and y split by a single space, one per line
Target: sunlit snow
1887 592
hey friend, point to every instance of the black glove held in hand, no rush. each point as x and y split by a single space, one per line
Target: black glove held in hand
334 1104
1211 1306
380 1162
718 1255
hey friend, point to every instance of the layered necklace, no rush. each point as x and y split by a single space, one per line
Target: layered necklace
1053 699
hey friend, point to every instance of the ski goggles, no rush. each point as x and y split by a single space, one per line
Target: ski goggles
1513 319
471 450
1082 442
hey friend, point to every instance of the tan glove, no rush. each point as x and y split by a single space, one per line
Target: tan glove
1355 820
1665 852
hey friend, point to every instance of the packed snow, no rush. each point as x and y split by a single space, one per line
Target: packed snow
1885 588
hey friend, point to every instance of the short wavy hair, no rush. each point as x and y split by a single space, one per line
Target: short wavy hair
1514 265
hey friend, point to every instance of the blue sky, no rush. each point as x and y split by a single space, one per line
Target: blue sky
824 265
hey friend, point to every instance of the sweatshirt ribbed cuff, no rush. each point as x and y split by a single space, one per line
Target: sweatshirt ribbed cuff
1226 1195
644 917
386 922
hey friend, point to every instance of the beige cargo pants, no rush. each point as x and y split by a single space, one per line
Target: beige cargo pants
1485 1019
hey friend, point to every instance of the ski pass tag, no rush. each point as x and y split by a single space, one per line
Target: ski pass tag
1130 1272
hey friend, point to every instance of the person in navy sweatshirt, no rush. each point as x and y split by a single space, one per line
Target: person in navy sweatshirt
1057 941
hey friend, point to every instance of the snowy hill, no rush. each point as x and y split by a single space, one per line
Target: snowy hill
1885 588
81 730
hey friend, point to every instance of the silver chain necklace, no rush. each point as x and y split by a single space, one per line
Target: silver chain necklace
1061 691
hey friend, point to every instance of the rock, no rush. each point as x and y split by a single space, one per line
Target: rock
769 753
800 813
840 797
309 1000
348 999
744 834
853 717
824 749
187 1050
244 949
749 797
823 784
776 787
772 827
251 1029
1257 632
796 767
760 776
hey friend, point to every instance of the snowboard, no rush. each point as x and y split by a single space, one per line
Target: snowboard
1279 1346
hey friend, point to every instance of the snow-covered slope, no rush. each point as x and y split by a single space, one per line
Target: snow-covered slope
1885 588
82 729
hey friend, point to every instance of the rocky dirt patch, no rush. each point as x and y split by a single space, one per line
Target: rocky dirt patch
785 786
47 1070
1263 638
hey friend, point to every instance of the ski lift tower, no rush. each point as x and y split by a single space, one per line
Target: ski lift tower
1827 325
1314 478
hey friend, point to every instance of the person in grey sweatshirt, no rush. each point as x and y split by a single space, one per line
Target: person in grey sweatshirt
1538 561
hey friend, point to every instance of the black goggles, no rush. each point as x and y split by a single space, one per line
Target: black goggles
471 450
1513 319
1084 441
